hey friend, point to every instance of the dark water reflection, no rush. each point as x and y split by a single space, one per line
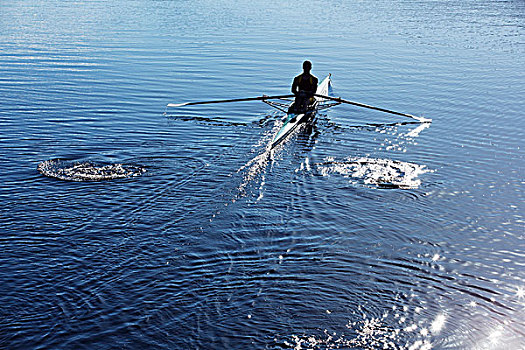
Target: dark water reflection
362 231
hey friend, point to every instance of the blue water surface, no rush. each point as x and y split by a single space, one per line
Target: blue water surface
364 230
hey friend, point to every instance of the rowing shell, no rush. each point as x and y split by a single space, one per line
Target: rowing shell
293 120
323 99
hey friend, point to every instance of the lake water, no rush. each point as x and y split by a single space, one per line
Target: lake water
364 230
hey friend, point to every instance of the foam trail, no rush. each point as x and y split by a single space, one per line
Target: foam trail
258 164
254 167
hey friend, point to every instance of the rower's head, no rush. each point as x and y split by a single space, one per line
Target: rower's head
307 66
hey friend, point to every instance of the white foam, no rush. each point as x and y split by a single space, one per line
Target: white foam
87 171
378 172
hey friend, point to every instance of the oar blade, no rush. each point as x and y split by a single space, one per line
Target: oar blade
422 119
177 104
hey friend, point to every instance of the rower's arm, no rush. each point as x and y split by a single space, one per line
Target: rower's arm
315 82
295 86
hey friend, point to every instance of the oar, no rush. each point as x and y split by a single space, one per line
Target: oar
338 99
230 100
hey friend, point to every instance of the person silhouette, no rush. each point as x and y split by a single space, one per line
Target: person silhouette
304 87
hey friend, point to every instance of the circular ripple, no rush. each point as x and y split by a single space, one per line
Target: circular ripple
87 171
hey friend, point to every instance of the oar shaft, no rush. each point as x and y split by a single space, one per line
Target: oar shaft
338 99
383 110
229 100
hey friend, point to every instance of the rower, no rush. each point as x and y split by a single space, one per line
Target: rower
304 87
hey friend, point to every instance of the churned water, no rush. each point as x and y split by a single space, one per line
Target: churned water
126 224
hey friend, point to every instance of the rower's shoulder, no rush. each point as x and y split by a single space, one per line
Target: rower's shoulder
307 76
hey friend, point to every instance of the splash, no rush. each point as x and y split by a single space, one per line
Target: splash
384 173
256 166
87 171
399 141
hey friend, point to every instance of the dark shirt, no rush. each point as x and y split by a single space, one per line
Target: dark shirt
306 83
